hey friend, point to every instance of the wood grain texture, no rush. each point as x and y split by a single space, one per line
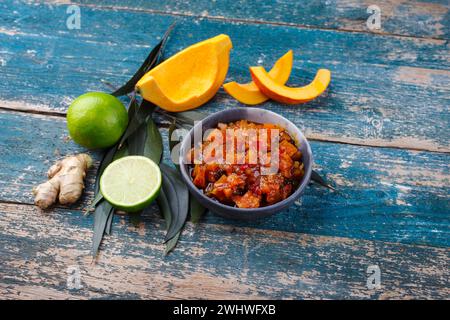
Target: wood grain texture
411 18
385 90
211 262
384 194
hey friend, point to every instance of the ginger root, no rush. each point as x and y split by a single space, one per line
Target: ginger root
66 179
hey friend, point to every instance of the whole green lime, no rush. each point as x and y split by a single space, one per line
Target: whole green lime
96 120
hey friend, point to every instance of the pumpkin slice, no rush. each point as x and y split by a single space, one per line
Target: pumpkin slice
189 78
284 94
249 93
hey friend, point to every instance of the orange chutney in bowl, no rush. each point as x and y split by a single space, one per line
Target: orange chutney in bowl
247 164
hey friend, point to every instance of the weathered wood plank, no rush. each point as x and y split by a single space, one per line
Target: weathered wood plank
412 18
385 91
211 262
384 194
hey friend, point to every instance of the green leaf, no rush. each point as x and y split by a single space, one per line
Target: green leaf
135 218
121 153
136 141
102 213
153 147
173 143
150 62
164 208
321 181
132 108
143 110
109 223
107 159
170 191
137 115
173 126
94 203
190 116
178 198
195 209
171 244
114 152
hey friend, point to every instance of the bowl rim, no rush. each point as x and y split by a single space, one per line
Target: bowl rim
214 203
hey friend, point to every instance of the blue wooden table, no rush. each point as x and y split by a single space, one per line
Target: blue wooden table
380 134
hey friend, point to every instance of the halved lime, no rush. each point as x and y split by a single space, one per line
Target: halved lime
131 183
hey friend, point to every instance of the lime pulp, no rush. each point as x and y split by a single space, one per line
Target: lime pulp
131 183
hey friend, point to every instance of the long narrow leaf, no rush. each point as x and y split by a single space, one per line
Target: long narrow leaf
136 141
101 216
143 111
121 153
195 209
110 155
164 208
107 158
321 181
109 223
150 62
178 197
171 244
173 143
137 115
104 212
169 190
132 108
190 116
133 120
173 126
94 203
165 38
135 218
153 147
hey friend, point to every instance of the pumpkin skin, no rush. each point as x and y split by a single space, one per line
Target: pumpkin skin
190 78
288 95
249 93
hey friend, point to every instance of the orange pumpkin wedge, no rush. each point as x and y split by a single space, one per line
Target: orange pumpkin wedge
249 93
189 78
284 94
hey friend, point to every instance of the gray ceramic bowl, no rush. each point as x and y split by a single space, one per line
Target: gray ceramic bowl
254 115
